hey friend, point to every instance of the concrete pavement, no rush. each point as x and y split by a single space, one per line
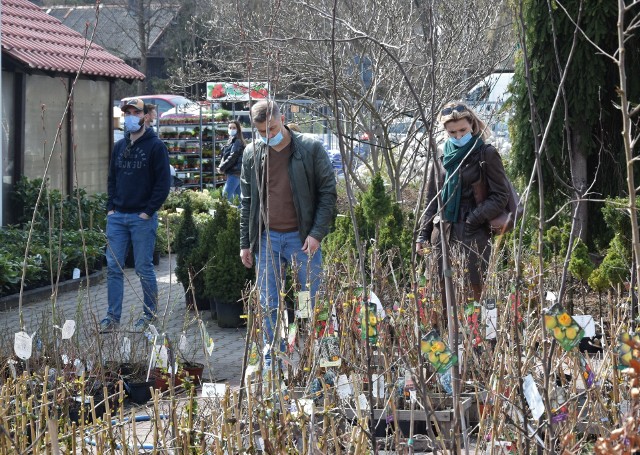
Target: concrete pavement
87 306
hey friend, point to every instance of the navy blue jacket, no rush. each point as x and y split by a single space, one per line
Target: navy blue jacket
139 175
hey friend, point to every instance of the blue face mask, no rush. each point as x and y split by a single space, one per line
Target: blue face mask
132 123
273 141
232 132
462 141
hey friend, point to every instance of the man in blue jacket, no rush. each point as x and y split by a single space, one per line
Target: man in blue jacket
138 184
288 205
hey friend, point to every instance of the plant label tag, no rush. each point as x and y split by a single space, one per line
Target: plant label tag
532 395
304 305
12 368
183 345
378 385
344 387
78 367
491 318
163 355
373 298
76 274
151 329
207 340
551 296
363 403
65 359
330 352
587 323
413 396
213 390
68 329
306 405
259 442
125 349
23 345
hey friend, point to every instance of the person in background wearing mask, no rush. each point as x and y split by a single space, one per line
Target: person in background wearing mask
231 162
288 205
457 167
138 184
150 115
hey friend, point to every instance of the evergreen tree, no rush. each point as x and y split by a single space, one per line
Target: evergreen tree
573 152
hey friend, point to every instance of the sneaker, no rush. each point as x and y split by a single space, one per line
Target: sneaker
143 323
108 325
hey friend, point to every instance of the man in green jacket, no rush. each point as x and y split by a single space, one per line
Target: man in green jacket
287 206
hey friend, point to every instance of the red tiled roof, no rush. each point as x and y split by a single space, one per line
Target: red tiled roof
42 42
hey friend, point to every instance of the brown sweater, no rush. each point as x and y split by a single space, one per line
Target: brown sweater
280 207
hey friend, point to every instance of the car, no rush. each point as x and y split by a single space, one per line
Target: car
165 102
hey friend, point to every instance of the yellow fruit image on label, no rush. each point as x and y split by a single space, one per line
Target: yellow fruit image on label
571 333
564 319
558 334
550 321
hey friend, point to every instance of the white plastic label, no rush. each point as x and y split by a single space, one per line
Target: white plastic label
23 345
304 305
68 329
213 390
125 349
531 394
587 323
362 401
378 385
183 345
76 274
344 387
373 298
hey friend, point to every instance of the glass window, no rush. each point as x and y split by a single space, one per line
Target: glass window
91 104
43 144
8 145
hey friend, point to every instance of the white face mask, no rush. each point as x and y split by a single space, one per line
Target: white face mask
232 131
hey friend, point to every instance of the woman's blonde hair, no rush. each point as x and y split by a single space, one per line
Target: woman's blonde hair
456 111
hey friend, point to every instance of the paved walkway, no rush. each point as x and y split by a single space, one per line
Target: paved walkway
87 306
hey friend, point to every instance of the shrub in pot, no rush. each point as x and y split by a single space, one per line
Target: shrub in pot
184 244
226 277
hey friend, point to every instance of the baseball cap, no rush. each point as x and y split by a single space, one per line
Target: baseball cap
136 103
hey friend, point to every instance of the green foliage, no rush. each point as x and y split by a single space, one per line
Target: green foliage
225 276
615 267
593 120
555 241
200 201
185 242
376 202
617 217
580 265
597 281
78 211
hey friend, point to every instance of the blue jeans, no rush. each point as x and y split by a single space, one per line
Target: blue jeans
285 250
123 230
232 187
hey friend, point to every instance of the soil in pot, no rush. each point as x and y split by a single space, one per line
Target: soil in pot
194 370
162 379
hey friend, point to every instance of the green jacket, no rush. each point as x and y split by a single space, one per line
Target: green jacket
313 185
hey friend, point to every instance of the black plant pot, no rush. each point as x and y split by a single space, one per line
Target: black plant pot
139 392
229 314
203 303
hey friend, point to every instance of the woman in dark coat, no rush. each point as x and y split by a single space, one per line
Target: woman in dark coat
231 162
457 168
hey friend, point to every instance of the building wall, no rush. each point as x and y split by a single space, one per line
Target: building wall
69 157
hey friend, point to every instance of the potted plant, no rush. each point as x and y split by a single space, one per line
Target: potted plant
226 277
184 244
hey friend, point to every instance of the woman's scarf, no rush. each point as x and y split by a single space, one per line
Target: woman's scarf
451 160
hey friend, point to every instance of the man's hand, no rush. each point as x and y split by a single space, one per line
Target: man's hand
310 246
144 216
246 257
